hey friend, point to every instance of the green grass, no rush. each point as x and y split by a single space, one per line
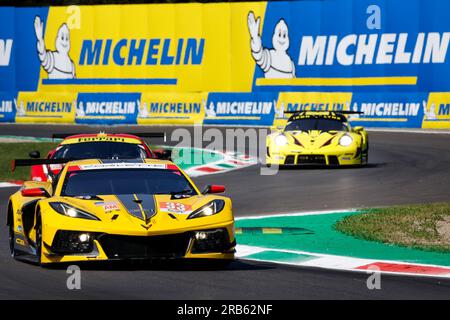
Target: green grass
9 151
424 226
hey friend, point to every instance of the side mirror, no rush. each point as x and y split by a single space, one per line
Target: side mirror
35 192
213 189
358 129
34 154
163 154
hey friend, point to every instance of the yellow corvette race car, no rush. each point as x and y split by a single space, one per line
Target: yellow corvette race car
318 138
118 210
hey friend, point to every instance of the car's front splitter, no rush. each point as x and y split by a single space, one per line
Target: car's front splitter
171 246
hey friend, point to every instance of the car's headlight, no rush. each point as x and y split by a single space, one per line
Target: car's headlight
72 212
281 140
208 209
345 141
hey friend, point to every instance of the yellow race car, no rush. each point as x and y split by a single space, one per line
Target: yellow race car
318 138
119 210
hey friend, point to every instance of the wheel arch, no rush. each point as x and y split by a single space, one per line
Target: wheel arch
9 213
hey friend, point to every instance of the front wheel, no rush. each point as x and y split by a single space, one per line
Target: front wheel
12 240
38 229
364 158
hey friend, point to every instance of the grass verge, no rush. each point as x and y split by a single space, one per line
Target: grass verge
9 151
424 226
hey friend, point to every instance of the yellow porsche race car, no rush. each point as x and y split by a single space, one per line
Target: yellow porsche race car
119 210
318 138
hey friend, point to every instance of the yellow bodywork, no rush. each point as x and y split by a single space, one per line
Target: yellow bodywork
115 220
315 147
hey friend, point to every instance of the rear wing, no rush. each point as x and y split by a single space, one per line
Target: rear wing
35 162
137 134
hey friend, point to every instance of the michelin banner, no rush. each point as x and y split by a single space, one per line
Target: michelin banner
227 63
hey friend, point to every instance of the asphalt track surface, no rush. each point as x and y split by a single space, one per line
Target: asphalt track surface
404 168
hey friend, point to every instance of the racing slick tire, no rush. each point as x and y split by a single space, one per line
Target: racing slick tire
365 156
12 239
38 229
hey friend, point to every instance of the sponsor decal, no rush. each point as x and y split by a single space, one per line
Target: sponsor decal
107 108
175 207
389 109
108 206
55 167
104 138
174 108
142 51
122 166
374 49
51 107
240 108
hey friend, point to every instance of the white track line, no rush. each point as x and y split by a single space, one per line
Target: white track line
296 214
9 185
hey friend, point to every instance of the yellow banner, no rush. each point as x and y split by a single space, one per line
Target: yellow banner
437 113
158 48
174 108
51 107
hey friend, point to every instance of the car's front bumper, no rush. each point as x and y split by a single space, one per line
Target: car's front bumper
216 242
346 157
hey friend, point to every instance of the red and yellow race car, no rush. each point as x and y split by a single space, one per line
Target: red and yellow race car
97 146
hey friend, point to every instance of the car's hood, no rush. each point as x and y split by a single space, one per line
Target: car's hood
158 213
315 139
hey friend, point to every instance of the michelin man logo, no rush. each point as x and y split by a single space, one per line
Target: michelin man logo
275 62
79 110
20 108
209 112
143 110
354 109
429 114
279 111
57 64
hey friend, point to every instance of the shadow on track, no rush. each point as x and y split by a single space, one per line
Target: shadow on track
324 167
157 265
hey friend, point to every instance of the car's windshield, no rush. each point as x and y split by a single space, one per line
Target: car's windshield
125 181
316 124
100 150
